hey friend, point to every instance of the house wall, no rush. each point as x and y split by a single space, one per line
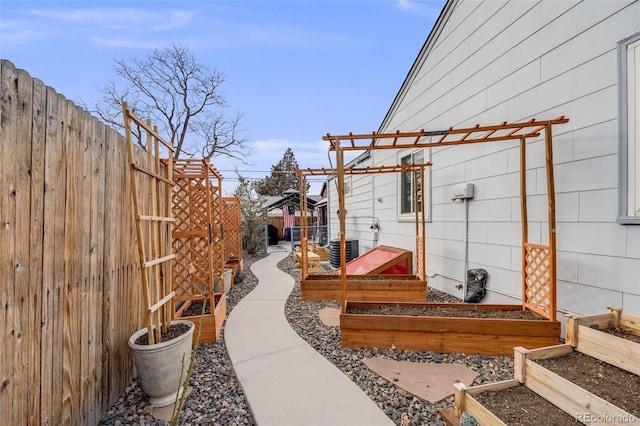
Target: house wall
511 61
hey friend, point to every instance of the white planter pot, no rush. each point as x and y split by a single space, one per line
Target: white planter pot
159 365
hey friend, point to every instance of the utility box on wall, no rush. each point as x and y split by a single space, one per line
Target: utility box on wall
462 191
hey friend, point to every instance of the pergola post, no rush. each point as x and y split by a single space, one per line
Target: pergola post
551 195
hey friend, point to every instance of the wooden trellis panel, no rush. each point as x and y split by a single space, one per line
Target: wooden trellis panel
151 185
232 232
420 258
197 237
539 291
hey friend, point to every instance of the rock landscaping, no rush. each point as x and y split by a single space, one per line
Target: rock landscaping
216 396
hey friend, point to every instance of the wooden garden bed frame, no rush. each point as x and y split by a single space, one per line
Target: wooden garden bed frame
564 394
211 322
586 335
372 287
486 336
378 288
198 243
538 260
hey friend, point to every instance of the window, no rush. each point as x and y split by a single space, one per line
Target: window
407 201
629 59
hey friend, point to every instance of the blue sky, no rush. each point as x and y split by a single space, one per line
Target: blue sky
296 70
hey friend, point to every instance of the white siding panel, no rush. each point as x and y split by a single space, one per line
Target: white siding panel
613 273
567 207
594 141
540 99
487 166
591 14
604 66
586 300
607 239
567 266
490 255
503 186
599 206
633 243
594 42
584 175
504 281
631 304
490 210
505 233
479 232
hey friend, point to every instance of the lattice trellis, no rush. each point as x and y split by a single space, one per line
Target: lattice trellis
197 237
420 272
232 233
539 292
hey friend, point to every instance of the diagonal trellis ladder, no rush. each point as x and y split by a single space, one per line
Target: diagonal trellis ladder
153 221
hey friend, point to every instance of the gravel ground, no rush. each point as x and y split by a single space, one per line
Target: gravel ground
401 407
218 399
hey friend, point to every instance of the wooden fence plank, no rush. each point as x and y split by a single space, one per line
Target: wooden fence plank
8 126
97 267
109 267
71 364
36 246
53 268
22 300
82 241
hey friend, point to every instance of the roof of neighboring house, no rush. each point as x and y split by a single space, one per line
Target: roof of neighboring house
290 197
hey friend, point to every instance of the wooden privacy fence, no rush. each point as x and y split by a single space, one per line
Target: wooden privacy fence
69 286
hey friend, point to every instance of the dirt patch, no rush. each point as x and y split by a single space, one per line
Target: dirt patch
621 332
432 311
520 406
174 331
617 386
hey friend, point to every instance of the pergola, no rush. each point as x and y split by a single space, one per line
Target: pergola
538 260
417 171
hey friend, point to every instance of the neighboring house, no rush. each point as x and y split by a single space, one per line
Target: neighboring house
289 200
487 62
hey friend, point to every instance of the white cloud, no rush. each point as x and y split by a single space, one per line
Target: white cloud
420 7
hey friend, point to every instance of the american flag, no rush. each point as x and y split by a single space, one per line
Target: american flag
288 216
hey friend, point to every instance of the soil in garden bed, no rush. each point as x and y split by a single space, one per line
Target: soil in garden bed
174 331
432 311
520 406
621 332
195 309
617 386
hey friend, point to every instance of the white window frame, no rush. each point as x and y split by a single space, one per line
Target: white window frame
426 181
629 131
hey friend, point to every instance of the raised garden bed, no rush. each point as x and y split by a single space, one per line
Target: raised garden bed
612 337
580 403
212 321
507 403
445 327
383 288
323 252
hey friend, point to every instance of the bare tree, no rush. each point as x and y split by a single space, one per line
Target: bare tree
182 97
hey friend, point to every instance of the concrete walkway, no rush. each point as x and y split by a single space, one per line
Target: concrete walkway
288 383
